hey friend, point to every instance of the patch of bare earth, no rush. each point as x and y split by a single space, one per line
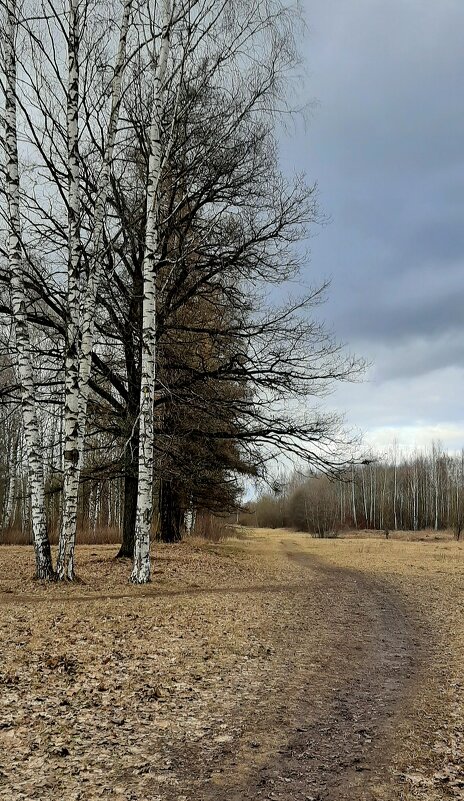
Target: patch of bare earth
276 667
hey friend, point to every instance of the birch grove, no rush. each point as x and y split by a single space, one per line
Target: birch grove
423 490
154 219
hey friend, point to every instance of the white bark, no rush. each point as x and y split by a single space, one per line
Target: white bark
95 507
10 494
141 567
44 568
89 307
190 518
65 565
353 499
395 489
82 321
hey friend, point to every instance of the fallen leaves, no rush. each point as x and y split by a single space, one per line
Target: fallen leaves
112 692
102 693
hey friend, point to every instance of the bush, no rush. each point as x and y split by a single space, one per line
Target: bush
212 528
101 536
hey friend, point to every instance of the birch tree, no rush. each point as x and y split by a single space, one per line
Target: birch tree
65 568
10 435
44 569
80 331
141 567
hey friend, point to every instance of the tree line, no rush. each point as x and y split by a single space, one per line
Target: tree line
151 353
424 490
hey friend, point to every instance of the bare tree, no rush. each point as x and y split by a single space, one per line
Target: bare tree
81 315
157 219
141 568
44 568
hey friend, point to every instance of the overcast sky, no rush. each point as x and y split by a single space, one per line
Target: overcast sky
386 146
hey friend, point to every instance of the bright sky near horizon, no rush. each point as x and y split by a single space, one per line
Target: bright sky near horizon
385 143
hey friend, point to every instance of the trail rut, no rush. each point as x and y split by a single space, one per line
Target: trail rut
339 744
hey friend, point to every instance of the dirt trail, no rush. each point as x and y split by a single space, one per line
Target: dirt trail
344 750
337 743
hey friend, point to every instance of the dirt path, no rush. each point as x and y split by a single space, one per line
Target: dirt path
344 751
342 728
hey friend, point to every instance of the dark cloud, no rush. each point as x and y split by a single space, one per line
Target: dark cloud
381 305
385 144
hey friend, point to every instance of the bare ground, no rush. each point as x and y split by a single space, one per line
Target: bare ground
277 667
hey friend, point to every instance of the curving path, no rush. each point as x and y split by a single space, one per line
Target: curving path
340 742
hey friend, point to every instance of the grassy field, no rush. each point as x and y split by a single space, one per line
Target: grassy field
193 687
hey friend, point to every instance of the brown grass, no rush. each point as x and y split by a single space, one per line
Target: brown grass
207 527
113 690
424 535
212 528
101 536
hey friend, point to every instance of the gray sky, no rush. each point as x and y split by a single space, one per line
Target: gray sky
386 146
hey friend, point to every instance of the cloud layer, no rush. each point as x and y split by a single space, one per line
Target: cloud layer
385 144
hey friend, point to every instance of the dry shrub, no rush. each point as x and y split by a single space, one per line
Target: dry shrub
15 536
109 535
247 518
211 528
333 534
101 536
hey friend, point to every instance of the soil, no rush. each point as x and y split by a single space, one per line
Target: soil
271 667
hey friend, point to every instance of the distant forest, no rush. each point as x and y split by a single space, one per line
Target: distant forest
409 493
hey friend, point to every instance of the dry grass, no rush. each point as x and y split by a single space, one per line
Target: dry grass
109 535
424 535
106 685
113 691
212 528
207 527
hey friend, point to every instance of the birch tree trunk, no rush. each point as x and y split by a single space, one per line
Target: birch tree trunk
353 499
90 297
44 569
189 518
141 566
366 523
65 565
11 479
82 320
